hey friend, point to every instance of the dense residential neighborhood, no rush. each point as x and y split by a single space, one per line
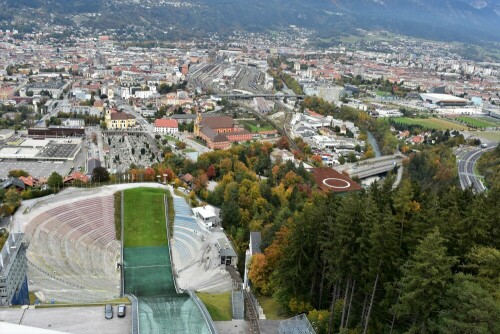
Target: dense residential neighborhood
270 181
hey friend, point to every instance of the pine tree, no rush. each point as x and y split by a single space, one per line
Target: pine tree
425 278
467 308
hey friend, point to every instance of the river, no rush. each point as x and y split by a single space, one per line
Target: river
374 144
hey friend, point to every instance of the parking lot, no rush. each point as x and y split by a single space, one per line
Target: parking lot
77 320
58 150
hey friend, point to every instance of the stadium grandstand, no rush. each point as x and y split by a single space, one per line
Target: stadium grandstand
73 252
194 253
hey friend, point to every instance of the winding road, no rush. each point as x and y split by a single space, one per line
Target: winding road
466 173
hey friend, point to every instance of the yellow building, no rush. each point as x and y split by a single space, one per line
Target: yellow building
119 120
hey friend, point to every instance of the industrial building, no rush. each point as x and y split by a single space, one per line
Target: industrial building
56 132
443 100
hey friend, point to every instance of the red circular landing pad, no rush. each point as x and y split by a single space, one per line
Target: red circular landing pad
336 183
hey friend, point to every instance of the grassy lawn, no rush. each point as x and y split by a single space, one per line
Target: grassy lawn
218 305
430 123
170 138
490 135
272 309
381 93
476 122
254 128
144 217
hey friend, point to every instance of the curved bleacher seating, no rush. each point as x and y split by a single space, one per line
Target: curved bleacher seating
187 234
182 249
187 222
192 240
73 252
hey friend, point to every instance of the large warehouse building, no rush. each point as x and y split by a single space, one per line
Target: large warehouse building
443 100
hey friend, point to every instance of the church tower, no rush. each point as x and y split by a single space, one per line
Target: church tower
197 124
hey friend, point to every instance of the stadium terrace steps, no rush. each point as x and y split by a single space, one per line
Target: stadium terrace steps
188 236
73 252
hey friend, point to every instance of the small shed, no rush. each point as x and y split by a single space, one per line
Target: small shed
226 252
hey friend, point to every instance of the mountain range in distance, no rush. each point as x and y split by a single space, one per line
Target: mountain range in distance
446 20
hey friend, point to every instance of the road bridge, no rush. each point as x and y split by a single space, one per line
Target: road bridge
372 167
266 96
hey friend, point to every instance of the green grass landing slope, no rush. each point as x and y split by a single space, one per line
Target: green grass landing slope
144 217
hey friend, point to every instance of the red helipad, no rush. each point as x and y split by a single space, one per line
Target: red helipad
329 179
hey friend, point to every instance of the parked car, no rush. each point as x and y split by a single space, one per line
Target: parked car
108 311
121 310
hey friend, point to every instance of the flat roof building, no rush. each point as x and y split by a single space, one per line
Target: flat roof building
206 215
226 252
6 134
443 99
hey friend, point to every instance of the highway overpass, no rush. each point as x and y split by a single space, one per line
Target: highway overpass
466 173
372 167
251 96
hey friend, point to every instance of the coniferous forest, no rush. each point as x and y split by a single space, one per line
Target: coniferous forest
423 257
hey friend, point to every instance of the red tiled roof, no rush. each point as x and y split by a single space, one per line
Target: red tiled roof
217 122
121 116
187 177
76 176
166 123
29 181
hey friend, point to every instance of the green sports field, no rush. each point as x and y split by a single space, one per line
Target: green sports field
478 122
144 212
430 123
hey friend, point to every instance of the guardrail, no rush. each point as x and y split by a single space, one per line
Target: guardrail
135 313
204 311
122 266
177 289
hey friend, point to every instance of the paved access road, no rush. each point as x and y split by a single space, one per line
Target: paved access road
77 320
466 165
